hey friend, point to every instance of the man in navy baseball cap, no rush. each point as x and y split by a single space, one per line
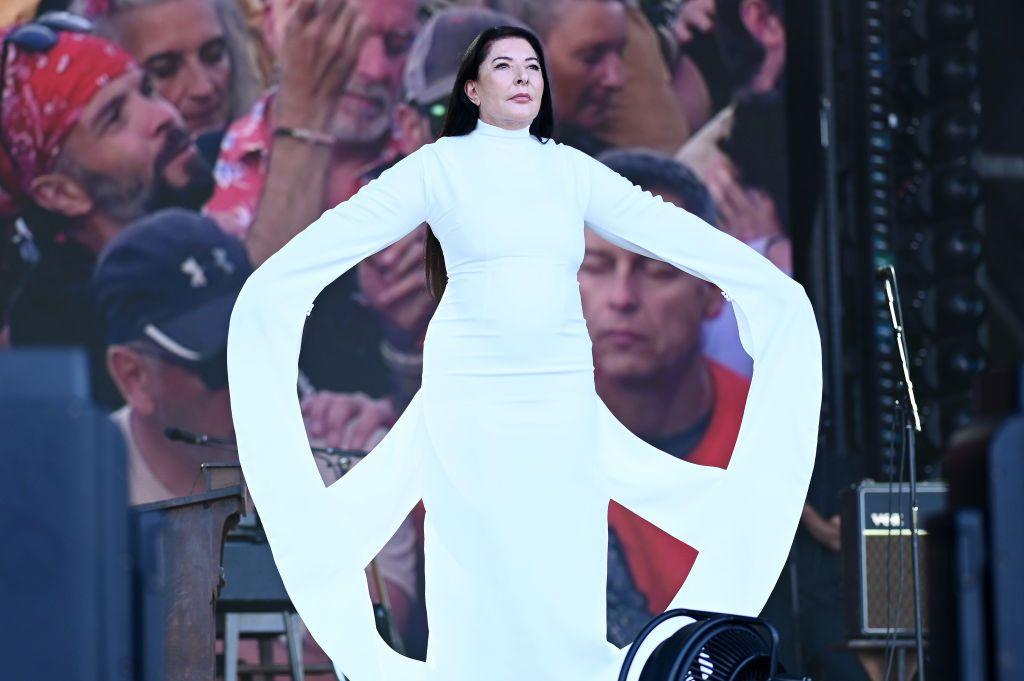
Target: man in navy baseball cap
166 286
170 281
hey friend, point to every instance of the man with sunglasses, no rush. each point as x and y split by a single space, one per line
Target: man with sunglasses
166 286
86 147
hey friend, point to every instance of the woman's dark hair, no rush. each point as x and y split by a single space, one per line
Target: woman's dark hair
461 120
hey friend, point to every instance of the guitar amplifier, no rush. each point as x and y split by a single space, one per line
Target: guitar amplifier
878 587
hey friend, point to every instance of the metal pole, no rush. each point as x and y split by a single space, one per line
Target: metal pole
914 551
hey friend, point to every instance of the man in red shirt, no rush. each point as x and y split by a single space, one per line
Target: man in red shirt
645 319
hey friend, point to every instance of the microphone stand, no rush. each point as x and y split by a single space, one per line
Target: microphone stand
342 460
912 426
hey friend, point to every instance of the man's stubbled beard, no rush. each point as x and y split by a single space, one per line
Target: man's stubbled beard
198 186
121 199
126 199
193 195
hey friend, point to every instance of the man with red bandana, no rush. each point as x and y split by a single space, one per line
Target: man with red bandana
86 147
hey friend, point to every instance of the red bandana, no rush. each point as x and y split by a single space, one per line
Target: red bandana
43 96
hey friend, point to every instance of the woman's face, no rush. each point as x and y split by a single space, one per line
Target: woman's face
181 45
509 85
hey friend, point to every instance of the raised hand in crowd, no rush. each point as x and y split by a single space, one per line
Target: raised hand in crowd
747 213
318 50
695 16
349 421
703 156
743 213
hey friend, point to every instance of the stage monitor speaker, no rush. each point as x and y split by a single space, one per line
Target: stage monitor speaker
878 583
66 568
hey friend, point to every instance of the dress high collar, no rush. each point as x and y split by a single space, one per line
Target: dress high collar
494 131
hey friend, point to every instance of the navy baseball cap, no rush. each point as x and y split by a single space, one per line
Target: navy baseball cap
172 278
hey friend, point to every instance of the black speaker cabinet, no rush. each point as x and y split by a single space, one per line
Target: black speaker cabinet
878 586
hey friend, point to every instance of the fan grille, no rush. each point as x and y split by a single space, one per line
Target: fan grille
732 654
714 647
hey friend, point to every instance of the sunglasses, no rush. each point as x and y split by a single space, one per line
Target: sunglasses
39 35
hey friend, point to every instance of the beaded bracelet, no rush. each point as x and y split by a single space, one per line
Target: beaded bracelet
306 135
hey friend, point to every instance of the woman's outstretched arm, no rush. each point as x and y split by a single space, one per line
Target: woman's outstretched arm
322 538
742 520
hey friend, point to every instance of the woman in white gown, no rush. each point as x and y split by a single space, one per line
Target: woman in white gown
507 443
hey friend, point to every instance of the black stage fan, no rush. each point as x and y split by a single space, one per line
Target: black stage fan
715 647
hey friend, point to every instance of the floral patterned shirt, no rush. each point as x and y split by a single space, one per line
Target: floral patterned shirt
242 165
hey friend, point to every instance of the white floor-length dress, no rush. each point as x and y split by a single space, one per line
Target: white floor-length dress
507 443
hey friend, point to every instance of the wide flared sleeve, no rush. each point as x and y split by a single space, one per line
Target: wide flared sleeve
323 538
741 520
